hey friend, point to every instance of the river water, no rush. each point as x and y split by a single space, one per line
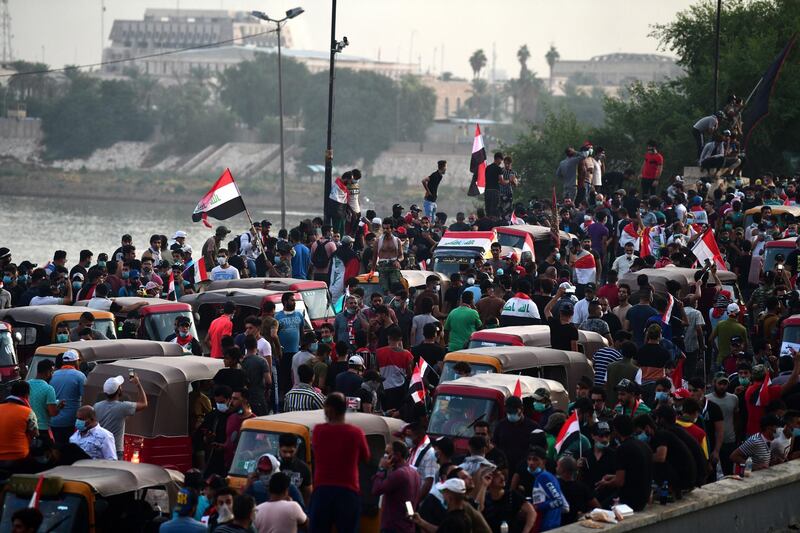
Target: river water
33 228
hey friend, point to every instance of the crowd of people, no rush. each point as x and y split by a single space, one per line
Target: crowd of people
692 386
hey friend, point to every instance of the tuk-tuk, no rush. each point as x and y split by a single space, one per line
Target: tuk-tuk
684 276
588 341
314 293
9 366
160 434
458 248
37 325
207 305
90 353
790 335
774 248
531 238
557 365
260 435
786 214
412 280
157 318
95 496
458 404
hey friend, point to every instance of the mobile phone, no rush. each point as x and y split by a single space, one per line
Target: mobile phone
130 373
409 509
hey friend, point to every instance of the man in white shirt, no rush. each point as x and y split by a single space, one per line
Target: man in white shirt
54 293
280 514
622 264
95 441
223 270
581 311
102 302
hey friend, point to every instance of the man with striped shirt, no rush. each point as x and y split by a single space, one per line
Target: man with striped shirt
303 397
757 447
605 356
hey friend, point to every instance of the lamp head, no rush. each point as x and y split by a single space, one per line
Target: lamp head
294 12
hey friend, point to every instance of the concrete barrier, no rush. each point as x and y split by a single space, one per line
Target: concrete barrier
765 501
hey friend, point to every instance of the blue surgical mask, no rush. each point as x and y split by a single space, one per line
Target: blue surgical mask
661 396
313 347
536 471
601 445
7 280
514 417
644 437
24 278
796 432
539 407
557 257
76 285
276 259
62 337
744 381
126 275
80 425
101 264
222 407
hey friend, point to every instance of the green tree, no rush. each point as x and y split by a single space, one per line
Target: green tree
415 109
477 61
552 56
33 91
523 55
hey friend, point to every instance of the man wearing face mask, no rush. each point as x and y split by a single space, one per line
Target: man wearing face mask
757 447
258 481
397 482
512 433
213 431
622 264
223 270
95 441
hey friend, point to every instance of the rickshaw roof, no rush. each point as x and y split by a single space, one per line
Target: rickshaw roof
370 424
109 478
506 383
414 278
518 357
684 276
161 372
245 297
793 210
537 232
538 332
277 284
782 243
43 314
116 349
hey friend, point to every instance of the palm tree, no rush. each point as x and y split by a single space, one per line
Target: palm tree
523 54
477 61
552 56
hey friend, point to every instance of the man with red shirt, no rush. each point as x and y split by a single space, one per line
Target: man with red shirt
337 494
757 400
651 169
610 291
220 327
394 364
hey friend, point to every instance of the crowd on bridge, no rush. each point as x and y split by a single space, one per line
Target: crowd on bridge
693 384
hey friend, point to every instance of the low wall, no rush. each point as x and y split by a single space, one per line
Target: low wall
767 500
24 128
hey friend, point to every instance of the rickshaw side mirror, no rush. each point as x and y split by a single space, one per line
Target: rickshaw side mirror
196 316
18 336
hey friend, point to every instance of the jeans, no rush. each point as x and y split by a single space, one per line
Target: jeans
251 268
334 506
648 188
491 199
430 209
698 141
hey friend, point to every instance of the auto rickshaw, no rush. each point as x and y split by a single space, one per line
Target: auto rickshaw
96 496
412 280
314 293
37 325
90 353
588 341
558 365
458 404
260 435
160 434
466 248
786 214
684 276
790 335
157 318
774 248
531 238
208 304
9 366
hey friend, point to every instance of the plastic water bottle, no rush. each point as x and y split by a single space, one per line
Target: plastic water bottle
663 494
504 527
748 467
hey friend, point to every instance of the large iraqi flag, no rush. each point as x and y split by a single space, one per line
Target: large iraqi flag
222 201
477 165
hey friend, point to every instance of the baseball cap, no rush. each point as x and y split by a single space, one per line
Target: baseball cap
266 223
355 360
736 340
602 428
134 274
180 235
223 230
591 286
186 502
378 221
567 286
733 309
268 463
679 179
347 239
541 394
625 385
415 208
397 207
682 394
70 356
455 485
721 377
112 385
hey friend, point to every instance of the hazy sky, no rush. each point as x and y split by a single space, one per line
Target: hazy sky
68 31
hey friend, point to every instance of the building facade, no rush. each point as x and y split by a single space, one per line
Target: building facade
616 70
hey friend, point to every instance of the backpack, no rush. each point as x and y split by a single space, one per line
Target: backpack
320 257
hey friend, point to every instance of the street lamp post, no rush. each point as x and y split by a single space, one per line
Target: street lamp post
336 47
292 13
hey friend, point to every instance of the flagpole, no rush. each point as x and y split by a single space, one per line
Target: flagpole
249 218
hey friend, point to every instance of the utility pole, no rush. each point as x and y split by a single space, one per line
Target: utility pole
328 147
5 32
102 27
716 57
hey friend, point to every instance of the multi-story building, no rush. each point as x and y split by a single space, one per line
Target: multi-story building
616 70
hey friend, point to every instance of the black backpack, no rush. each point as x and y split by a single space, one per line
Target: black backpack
320 257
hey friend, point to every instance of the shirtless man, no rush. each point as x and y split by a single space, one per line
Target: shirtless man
388 257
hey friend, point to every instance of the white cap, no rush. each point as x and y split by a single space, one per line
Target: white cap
733 309
567 286
455 485
180 235
678 179
70 356
377 221
355 360
112 385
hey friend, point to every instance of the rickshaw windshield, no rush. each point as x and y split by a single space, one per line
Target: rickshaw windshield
450 265
255 443
509 239
455 415
769 256
477 343
7 355
103 325
159 326
317 305
448 372
63 514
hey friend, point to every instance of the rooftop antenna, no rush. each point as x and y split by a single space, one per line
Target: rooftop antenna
102 26
5 32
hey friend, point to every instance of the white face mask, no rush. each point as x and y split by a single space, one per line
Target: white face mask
470 281
222 260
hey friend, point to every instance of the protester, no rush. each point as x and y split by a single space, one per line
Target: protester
97 442
112 412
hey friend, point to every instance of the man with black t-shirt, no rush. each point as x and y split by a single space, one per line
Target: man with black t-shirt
634 474
431 184
672 460
563 333
430 350
491 195
579 495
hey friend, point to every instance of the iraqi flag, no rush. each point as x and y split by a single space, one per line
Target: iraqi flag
417 386
706 248
197 269
763 392
339 193
677 373
758 103
477 165
644 244
697 215
629 235
585 269
222 201
570 426
518 389
515 220
171 286
37 493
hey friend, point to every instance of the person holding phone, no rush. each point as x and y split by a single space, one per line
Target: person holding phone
112 412
399 484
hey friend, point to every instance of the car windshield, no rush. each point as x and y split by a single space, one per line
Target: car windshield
450 265
455 415
449 373
252 445
159 326
103 325
480 343
769 256
316 301
7 355
509 239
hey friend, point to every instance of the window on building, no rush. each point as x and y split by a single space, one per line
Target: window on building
446 106
458 104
